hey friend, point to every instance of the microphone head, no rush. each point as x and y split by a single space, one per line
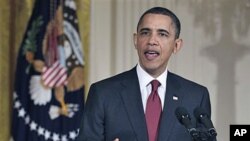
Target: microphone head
200 113
181 113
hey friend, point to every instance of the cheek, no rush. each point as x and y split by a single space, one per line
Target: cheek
142 41
140 45
168 47
167 51
138 48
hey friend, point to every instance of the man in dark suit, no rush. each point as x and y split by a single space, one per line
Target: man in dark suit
129 106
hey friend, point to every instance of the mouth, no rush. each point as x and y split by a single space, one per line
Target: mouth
151 55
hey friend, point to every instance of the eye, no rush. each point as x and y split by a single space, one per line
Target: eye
162 34
143 33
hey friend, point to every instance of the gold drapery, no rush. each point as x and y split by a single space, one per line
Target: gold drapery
14 15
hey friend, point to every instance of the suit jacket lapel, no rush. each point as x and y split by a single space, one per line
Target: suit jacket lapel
131 97
172 101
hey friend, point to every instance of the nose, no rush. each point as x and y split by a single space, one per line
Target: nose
153 40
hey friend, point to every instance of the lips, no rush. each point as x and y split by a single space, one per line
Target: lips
151 55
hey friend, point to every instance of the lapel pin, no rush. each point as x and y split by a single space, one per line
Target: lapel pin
175 98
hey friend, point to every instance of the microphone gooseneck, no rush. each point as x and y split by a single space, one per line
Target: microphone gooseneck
184 118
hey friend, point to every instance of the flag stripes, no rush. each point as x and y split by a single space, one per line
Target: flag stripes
54 76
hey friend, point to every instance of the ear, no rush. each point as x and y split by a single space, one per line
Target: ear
135 40
178 45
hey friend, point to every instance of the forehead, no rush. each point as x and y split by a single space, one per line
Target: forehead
156 21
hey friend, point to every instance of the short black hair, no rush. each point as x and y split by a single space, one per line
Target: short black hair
163 11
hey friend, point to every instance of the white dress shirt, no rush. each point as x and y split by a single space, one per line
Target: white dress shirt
145 86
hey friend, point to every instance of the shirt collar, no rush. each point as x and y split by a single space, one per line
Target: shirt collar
145 78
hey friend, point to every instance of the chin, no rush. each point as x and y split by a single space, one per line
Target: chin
151 70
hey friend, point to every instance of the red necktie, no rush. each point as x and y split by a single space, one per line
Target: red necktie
153 111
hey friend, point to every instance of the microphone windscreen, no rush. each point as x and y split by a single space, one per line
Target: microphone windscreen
180 112
199 112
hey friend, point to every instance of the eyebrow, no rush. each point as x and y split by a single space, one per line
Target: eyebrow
144 29
159 30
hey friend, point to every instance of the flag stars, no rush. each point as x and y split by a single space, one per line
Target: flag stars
76 62
27 120
14 95
55 137
69 64
40 130
21 112
72 135
78 130
17 104
64 138
65 15
71 4
33 126
47 135
70 17
73 61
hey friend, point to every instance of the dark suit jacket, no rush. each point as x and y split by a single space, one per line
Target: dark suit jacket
114 109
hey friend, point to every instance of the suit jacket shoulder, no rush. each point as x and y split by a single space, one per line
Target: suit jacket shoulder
183 81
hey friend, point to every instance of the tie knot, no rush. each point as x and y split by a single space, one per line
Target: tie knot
155 84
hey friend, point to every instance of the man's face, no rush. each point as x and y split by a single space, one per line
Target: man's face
155 42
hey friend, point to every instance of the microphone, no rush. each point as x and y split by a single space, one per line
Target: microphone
184 118
203 117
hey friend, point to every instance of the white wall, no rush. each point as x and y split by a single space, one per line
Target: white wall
216 49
